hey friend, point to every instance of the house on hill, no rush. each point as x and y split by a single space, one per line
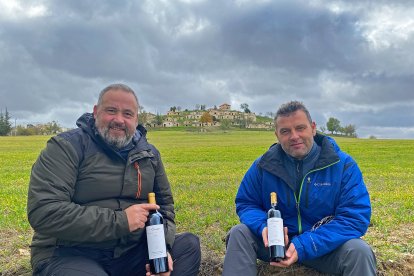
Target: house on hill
224 107
223 112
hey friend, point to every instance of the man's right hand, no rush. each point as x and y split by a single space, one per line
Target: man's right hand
265 240
138 214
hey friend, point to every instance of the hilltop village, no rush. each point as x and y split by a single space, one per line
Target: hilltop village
222 117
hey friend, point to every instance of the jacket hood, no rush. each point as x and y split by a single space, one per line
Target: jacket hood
87 123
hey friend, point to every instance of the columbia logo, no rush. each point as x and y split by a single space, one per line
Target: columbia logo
322 184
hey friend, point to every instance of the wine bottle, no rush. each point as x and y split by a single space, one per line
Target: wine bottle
275 233
157 251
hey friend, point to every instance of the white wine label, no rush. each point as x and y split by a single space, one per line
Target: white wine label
275 231
156 241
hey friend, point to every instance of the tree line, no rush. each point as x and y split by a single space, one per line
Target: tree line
334 126
5 125
6 128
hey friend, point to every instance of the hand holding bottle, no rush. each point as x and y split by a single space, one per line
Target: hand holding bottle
275 236
291 256
157 249
170 266
137 215
266 241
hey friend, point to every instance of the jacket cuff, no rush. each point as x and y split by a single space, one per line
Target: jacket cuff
299 249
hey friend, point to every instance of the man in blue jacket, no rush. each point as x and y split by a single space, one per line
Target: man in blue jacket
321 195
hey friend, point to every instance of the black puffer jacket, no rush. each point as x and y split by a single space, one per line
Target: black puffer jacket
79 187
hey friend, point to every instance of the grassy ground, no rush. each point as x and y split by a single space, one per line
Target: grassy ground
205 170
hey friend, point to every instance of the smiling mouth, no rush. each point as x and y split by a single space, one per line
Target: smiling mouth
296 145
118 129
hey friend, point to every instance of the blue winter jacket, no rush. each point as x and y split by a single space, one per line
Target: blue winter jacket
332 207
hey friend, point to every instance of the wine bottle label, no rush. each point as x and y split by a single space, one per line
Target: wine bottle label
275 231
156 241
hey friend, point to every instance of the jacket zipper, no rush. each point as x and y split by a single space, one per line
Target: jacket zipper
297 199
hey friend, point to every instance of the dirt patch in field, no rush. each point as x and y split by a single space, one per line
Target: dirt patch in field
405 266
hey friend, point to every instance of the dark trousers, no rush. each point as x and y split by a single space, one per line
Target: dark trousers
70 261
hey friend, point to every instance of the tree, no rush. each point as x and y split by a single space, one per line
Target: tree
142 116
158 119
25 131
203 107
245 108
5 125
350 130
270 114
173 108
52 128
225 124
206 118
322 128
333 125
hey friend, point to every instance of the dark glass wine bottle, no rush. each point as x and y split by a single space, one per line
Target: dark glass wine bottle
157 251
275 233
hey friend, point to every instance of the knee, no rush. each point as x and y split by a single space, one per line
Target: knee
238 234
191 242
358 249
239 230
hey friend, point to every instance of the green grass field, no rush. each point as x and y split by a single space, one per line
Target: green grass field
205 170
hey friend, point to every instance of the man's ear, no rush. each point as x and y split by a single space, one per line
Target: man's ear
313 128
95 111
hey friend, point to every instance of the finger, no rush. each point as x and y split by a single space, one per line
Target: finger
264 236
286 236
149 206
278 264
288 252
143 217
148 269
170 262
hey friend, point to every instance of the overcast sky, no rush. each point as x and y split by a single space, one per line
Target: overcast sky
352 60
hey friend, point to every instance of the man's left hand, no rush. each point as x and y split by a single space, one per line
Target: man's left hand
170 266
291 257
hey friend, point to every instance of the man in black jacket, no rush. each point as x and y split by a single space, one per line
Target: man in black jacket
88 195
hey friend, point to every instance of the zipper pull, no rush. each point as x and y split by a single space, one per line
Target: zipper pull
308 179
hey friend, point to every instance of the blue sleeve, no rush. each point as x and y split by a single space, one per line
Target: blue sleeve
351 218
249 203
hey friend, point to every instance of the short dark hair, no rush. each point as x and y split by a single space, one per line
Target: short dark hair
290 107
117 86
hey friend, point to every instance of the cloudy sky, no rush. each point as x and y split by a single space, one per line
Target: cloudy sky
352 60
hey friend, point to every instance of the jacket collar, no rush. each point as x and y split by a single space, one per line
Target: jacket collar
272 160
87 123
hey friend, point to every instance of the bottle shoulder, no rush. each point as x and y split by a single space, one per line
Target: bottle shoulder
155 218
274 213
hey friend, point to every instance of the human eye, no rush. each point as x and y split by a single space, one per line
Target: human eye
111 110
128 114
301 128
284 131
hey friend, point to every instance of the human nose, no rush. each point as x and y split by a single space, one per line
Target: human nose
294 135
118 117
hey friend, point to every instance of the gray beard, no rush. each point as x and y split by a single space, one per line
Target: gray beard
117 142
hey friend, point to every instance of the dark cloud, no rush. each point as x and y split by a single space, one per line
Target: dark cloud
332 55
